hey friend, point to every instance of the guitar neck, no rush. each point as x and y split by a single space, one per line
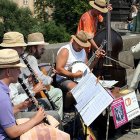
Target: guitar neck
94 55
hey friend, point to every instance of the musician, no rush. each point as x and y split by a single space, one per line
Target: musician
9 71
66 56
34 50
90 20
15 40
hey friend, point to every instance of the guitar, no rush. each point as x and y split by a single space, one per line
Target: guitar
44 93
49 72
79 65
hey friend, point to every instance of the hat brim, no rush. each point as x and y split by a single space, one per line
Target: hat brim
20 65
82 44
37 43
13 45
103 10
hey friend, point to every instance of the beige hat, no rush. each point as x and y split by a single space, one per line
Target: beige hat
36 39
9 58
13 39
82 39
99 5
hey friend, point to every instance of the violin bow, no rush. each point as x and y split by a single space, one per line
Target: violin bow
118 61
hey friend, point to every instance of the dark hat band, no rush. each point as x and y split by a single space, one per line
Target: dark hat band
14 63
99 5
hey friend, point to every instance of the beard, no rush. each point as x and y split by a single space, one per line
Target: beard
38 54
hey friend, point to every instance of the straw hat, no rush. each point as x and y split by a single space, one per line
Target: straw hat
13 39
9 58
82 39
99 5
36 39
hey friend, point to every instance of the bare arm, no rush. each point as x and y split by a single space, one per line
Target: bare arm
21 106
17 130
61 60
93 44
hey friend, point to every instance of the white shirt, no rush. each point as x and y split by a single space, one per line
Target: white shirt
34 65
73 57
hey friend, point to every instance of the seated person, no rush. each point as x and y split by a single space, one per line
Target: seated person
34 50
18 95
9 72
66 56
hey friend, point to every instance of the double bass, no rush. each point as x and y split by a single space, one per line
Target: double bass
105 67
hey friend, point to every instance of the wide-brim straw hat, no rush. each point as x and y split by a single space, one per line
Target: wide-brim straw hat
9 58
13 39
36 39
82 39
99 5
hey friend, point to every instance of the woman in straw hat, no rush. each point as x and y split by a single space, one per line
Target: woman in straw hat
9 71
90 19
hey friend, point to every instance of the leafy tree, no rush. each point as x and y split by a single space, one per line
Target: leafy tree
15 19
54 33
41 9
68 12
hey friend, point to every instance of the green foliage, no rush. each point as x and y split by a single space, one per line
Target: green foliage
40 10
68 13
54 33
15 19
65 18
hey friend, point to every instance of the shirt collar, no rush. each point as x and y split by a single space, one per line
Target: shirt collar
4 87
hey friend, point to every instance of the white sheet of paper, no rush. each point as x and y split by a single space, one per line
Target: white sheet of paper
91 98
108 83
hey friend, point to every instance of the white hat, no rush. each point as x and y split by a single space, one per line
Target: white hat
36 39
13 39
9 58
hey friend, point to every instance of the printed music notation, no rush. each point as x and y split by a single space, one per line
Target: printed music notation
91 98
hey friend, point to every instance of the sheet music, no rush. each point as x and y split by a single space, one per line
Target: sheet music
91 98
108 83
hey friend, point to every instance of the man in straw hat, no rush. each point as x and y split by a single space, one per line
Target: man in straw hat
15 41
9 71
90 19
66 56
34 50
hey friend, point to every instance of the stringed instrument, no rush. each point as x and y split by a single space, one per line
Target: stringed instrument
79 65
45 72
44 93
105 67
